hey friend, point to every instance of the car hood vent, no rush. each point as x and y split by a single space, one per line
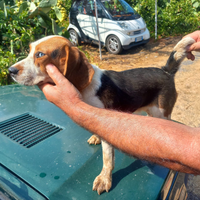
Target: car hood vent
27 130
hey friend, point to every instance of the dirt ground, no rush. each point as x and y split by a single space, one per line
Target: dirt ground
155 54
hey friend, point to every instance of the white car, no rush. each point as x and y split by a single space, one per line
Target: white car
120 26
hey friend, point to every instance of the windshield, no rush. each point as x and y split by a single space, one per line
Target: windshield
118 8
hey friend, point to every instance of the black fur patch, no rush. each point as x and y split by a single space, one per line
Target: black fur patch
131 89
172 65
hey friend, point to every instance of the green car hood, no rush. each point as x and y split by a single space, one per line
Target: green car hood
63 165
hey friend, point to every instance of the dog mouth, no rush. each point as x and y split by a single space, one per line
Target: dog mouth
22 80
43 82
13 77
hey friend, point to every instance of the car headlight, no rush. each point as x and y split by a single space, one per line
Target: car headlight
131 33
123 25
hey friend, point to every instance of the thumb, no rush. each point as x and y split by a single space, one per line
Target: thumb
54 74
194 47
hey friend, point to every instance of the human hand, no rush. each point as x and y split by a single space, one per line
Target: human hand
194 47
63 94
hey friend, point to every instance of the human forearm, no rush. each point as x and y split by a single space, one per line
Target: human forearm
160 141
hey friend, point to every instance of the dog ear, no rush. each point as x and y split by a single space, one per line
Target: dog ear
77 69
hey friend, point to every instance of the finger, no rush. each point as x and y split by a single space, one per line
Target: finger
49 91
57 77
194 47
191 48
45 87
54 74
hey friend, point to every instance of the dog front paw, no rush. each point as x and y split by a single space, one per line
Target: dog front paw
102 183
94 140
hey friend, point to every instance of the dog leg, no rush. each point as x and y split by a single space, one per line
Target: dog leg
158 113
103 181
94 139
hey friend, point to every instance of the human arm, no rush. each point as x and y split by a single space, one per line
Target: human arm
160 141
194 47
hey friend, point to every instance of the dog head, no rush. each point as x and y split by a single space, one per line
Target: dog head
58 51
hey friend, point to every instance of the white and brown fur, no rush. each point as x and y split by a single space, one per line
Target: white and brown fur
144 89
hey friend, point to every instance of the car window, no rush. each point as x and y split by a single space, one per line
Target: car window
119 8
79 7
87 7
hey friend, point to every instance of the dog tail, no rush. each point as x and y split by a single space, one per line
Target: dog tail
177 56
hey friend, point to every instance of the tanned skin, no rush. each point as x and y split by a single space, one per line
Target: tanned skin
164 142
194 47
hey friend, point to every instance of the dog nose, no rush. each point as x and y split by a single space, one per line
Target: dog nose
13 70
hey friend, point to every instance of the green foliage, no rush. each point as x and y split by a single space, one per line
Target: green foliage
6 59
182 18
24 23
16 32
48 13
174 17
19 29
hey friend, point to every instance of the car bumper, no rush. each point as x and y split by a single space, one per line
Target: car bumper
126 47
135 40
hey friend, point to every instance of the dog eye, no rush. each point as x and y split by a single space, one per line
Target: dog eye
39 54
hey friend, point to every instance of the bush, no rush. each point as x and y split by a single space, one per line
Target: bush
24 23
18 29
6 60
183 18
174 18
16 32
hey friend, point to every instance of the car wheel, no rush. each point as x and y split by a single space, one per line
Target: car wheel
113 44
74 37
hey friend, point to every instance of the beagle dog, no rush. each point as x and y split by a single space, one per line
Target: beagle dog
143 89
